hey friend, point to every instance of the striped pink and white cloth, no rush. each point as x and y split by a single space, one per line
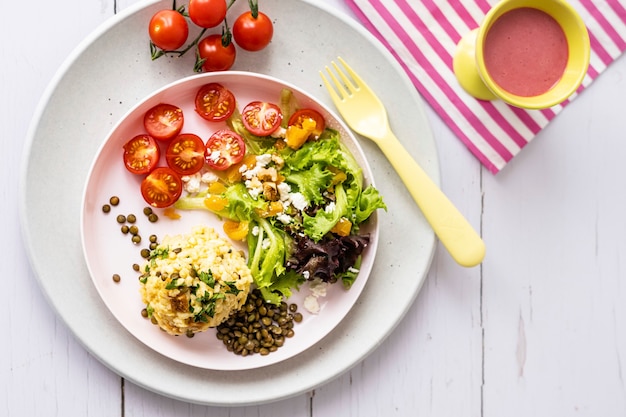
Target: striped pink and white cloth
422 35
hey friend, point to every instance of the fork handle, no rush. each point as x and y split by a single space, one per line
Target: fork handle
453 230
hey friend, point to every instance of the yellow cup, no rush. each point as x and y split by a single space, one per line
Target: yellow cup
472 74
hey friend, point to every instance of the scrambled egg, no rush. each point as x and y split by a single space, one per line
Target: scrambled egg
193 282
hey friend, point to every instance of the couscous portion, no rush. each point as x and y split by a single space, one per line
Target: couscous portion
193 282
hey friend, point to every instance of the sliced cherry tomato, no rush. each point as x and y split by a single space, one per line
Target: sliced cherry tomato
298 117
261 118
207 13
214 102
185 154
162 187
164 121
251 32
168 29
216 54
224 149
141 154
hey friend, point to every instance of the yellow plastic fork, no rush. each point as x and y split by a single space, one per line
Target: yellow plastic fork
366 115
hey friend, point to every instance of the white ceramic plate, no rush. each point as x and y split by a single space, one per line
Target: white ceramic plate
108 251
109 73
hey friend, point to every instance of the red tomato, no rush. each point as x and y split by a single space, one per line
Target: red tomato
300 115
253 33
207 13
261 118
214 102
168 30
162 187
185 154
164 121
215 55
224 149
141 154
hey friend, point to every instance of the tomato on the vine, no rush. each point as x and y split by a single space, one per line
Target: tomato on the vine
224 149
207 13
261 118
214 102
141 154
253 32
168 29
162 187
164 121
185 154
216 54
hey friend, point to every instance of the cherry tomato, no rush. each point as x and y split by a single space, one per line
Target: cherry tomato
164 121
141 154
224 149
216 55
162 187
168 30
253 33
214 102
185 154
261 118
207 13
297 118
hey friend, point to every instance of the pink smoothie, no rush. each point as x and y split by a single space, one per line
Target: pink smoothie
525 52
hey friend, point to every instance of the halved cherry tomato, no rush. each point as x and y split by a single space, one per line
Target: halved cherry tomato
214 102
253 32
141 154
168 29
224 149
185 154
261 118
164 121
216 53
298 117
162 187
207 13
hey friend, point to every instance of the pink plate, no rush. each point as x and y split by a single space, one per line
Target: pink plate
107 251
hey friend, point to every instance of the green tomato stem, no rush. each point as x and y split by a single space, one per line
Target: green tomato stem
254 8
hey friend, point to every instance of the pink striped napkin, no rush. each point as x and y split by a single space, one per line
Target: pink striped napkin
422 35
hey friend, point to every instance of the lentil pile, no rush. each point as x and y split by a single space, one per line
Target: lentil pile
258 326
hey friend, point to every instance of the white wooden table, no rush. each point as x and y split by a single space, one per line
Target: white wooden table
539 329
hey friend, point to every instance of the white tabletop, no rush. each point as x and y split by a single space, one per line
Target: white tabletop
538 329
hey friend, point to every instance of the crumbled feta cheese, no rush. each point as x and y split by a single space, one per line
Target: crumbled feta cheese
318 287
191 183
255 231
330 207
209 177
283 190
266 243
298 201
311 304
263 160
280 132
284 218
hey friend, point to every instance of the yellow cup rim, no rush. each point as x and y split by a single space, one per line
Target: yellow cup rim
578 46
